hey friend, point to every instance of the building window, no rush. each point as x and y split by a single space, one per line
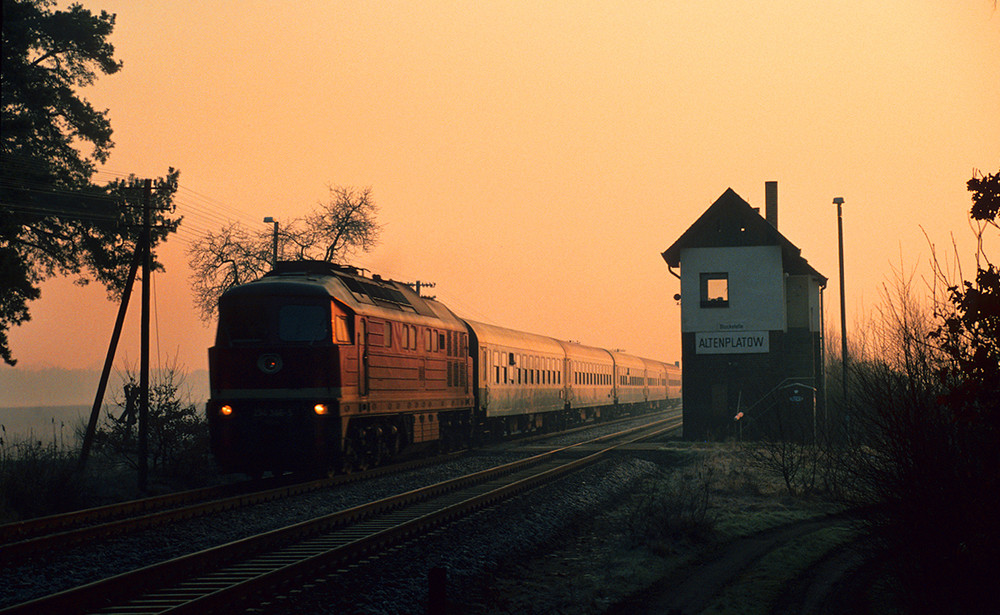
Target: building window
714 290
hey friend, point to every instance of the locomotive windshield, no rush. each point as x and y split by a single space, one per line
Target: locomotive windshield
242 323
274 319
303 323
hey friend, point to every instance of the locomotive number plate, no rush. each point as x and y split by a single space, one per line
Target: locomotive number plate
272 412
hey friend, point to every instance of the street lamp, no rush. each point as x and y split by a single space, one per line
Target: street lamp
839 201
274 258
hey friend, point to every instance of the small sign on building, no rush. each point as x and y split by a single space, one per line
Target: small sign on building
731 342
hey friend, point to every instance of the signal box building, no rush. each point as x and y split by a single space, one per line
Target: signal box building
751 325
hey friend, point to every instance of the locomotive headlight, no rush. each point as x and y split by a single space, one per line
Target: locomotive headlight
226 410
320 409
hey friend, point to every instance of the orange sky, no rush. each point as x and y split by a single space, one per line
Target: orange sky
534 159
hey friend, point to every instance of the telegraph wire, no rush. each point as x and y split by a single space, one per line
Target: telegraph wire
202 214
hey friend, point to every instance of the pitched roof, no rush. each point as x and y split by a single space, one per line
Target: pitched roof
731 221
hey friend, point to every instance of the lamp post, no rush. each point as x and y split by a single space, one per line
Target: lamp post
839 201
274 258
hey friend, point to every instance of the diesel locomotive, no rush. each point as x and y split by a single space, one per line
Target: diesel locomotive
318 367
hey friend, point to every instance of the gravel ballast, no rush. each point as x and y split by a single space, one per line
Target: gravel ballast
58 571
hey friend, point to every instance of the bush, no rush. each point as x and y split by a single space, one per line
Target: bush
675 506
177 436
38 480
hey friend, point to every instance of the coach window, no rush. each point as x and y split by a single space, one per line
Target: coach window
714 290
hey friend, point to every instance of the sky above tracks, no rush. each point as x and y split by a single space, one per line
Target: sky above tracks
533 159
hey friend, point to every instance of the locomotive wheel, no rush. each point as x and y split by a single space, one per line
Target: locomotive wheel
354 458
392 441
374 445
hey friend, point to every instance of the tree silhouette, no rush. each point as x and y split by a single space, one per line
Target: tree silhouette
340 227
53 219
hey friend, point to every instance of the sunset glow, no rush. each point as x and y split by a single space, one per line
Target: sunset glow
534 159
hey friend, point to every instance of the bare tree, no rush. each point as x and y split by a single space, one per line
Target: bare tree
339 227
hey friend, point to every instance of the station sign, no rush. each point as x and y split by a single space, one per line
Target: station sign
732 342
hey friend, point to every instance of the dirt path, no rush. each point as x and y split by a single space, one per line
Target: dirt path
694 587
837 583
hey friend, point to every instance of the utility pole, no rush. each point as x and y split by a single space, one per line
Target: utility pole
143 470
109 360
274 247
839 201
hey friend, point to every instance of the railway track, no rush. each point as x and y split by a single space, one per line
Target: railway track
25 539
215 579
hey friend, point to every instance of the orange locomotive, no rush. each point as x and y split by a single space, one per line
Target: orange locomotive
315 366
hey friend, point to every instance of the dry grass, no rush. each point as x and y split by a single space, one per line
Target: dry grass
700 494
758 588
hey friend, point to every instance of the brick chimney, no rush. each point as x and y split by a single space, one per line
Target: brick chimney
771 203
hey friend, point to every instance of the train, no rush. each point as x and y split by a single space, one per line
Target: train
319 367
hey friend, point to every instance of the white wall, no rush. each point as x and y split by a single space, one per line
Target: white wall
756 289
815 307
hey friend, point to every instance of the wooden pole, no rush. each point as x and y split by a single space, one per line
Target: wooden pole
143 461
88 438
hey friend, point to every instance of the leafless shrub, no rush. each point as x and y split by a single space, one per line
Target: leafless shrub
177 432
675 507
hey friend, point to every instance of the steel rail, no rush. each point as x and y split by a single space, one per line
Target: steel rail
218 576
